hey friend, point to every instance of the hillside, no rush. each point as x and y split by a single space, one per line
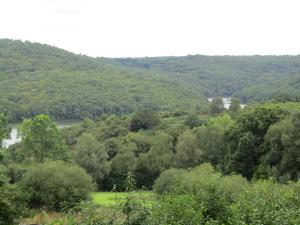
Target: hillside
247 77
37 78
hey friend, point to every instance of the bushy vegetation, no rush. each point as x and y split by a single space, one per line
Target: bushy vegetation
56 185
187 159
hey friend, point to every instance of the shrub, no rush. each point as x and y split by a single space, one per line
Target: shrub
145 119
193 120
167 180
12 204
55 185
267 203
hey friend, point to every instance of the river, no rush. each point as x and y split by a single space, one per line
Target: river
15 139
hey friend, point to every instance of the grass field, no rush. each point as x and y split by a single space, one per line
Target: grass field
110 198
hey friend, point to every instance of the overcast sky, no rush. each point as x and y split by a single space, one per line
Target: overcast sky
120 28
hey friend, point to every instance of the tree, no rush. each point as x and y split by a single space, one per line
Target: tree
145 119
41 139
56 185
91 156
193 120
122 164
282 157
4 129
188 153
216 106
159 158
235 104
245 140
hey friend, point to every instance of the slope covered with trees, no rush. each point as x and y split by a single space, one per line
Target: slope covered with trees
37 78
247 77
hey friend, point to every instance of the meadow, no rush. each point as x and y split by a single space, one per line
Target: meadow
111 198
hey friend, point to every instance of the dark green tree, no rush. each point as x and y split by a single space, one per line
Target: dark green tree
193 120
145 119
216 106
4 129
235 104
91 155
188 153
282 159
245 141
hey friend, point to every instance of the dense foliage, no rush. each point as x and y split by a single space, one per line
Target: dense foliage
56 185
187 159
39 79
248 77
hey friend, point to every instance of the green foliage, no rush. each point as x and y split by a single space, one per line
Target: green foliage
188 153
41 139
176 210
167 181
193 120
267 203
56 185
91 156
235 104
248 77
4 129
12 204
283 142
246 139
145 119
216 106
122 164
39 79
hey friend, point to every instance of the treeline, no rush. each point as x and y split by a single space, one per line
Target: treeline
258 142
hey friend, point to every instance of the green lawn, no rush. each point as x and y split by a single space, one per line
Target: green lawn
110 198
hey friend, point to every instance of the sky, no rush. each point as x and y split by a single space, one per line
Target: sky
138 28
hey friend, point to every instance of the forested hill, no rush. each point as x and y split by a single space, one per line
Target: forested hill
37 78
247 77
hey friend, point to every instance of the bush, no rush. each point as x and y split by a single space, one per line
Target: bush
145 119
193 121
267 203
56 185
12 204
167 180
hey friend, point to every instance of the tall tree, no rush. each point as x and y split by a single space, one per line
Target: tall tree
235 104
245 140
188 153
92 156
4 129
41 139
282 159
216 106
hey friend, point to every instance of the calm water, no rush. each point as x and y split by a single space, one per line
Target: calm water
15 139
